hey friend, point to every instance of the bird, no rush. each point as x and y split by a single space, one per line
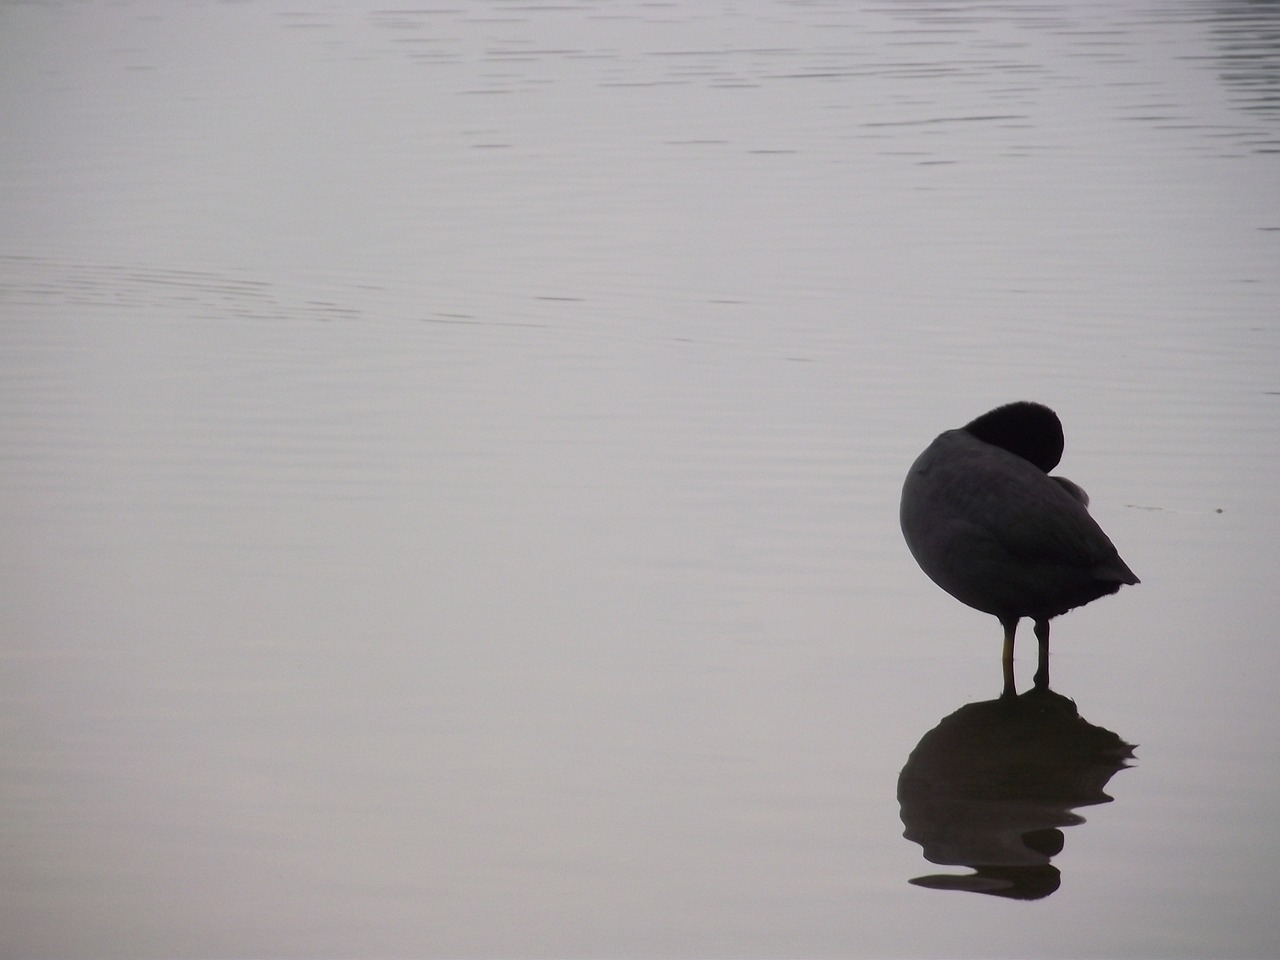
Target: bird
988 524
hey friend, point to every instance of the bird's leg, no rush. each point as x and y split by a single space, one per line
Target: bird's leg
1006 661
1042 668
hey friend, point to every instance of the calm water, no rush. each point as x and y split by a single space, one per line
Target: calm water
449 462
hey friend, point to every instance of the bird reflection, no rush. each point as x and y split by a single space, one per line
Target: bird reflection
992 784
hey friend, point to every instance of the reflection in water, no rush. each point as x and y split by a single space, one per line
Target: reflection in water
990 786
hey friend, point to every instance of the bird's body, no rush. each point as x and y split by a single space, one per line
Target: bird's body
987 523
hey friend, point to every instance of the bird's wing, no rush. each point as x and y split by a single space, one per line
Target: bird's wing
1041 522
1028 514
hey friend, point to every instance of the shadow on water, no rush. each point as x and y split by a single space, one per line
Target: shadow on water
992 784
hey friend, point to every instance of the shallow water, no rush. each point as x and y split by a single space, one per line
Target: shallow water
449 464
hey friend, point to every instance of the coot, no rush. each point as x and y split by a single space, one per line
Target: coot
987 523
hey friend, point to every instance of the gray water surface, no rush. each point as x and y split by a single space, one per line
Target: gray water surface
449 463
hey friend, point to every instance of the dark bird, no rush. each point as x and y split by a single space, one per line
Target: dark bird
987 523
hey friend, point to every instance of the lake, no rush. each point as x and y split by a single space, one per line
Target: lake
450 460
